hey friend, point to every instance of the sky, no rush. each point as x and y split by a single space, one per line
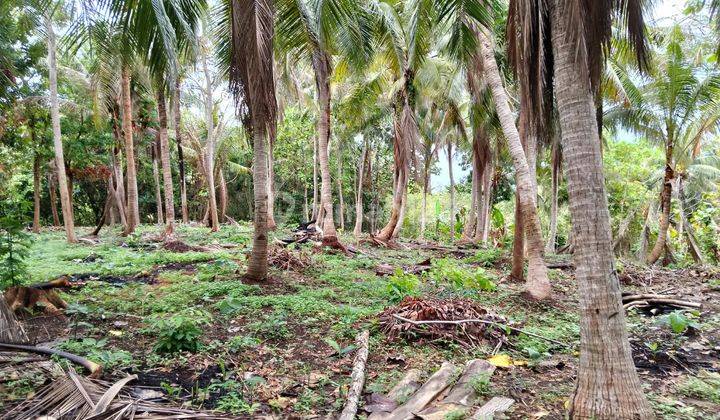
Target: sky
665 11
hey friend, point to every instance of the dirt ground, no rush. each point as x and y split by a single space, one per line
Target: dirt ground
280 349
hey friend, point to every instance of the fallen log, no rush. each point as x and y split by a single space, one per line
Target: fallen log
400 392
481 321
357 377
427 393
492 407
94 368
460 397
648 299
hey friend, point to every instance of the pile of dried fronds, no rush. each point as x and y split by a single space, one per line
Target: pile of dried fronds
75 397
286 259
434 320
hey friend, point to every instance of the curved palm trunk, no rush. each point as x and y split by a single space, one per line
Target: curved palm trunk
452 192
665 204
321 66
537 284
166 170
36 188
210 147
57 135
484 212
607 386
181 157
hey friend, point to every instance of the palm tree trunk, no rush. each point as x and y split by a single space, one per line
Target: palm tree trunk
359 194
665 204
405 127
36 188
223 195
537 284
608 386
321 66
306 206
154 150
271 187
484 216
471 220
57 135
341 210
53 198
133 209
181 158
517 271
315 205
258 265
210 146
452 192
426 191
688 233
166 170
555 169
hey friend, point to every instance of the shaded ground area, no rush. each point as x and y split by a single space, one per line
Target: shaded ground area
182 320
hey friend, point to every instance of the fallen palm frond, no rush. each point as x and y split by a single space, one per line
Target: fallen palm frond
415 318
76 397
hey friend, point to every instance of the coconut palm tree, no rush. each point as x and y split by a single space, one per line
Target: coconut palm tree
245 34
608 386
316 34
57 134
677 107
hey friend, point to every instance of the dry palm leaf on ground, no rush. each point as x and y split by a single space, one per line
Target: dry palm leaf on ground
76 397
418 309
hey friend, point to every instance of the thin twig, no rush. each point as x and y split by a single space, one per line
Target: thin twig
481 321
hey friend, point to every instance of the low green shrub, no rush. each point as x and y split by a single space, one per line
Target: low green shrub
178 332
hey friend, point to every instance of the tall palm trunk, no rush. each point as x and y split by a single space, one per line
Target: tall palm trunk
36 188
471 220
154 151
258 265
181 157
57 135
210 147
271 187
537 284
53 197
315 205
484 212
133 209
223 195
452 191
321 66
426 192
165 161
359 194
555 169
341 200
607 386
405 127
665 204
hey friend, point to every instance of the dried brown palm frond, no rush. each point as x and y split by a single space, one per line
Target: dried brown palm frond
75 397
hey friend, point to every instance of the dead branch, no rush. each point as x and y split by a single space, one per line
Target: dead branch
94 368
357 376
481 321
